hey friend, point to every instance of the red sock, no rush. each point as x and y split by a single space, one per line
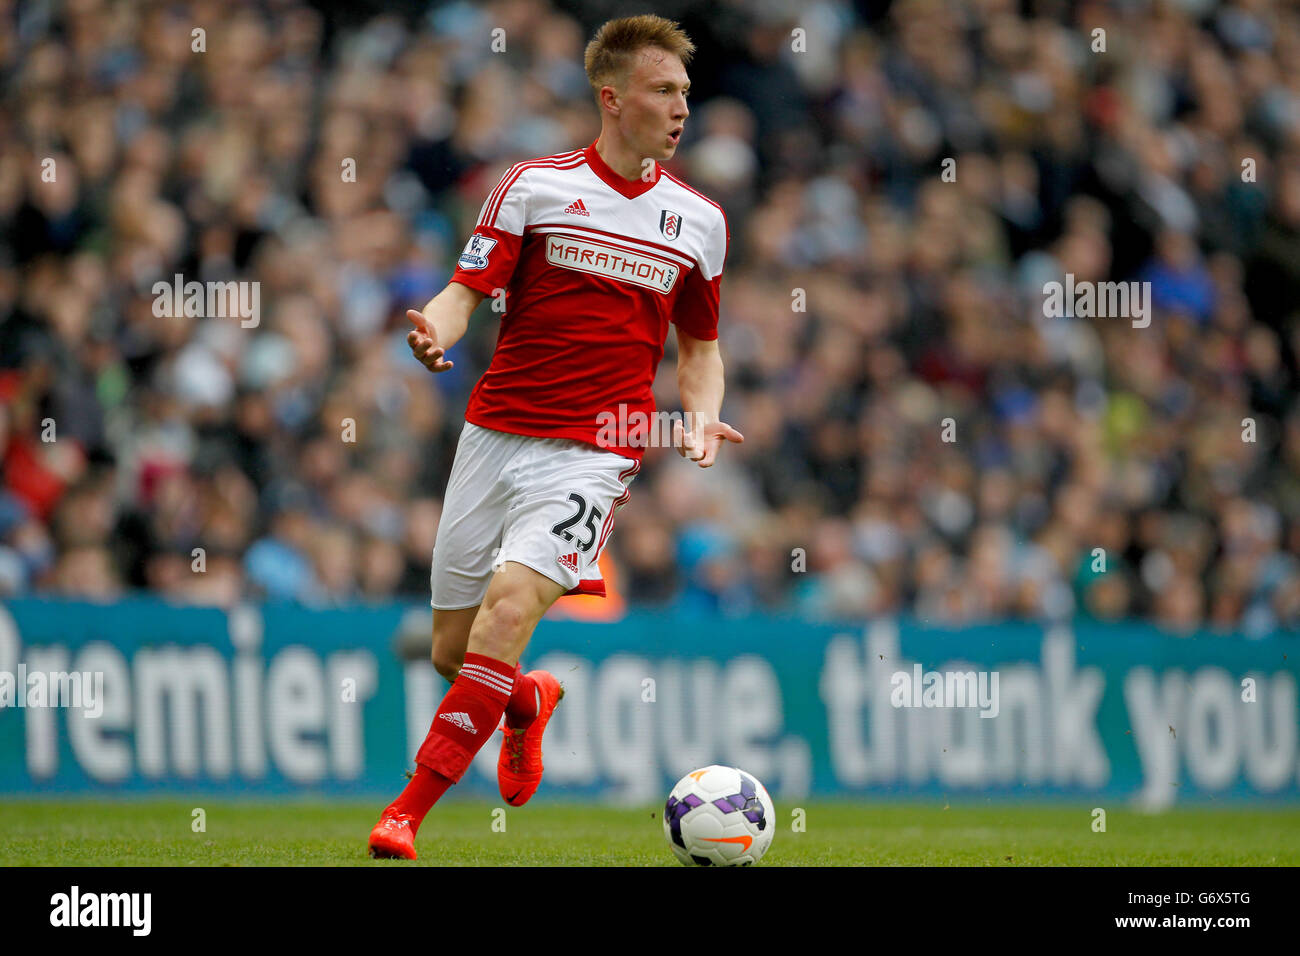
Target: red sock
420 794
524 702
467 717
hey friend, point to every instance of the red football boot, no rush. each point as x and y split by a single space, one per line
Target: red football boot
393 838
519 768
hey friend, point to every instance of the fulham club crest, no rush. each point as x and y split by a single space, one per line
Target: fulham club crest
670 224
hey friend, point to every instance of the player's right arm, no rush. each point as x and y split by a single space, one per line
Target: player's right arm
441 324
485 266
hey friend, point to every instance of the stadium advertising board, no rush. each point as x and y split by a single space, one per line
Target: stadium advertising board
141 696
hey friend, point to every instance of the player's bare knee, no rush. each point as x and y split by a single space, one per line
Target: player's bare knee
502 626
447 662
450 637
507 617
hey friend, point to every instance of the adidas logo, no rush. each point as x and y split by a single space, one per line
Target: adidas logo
461 720
578 209
570 561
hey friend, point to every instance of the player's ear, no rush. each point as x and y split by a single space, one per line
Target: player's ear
610 101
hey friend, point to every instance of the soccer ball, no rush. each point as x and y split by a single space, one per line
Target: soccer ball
719 816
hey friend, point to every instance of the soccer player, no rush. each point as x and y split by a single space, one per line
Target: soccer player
595 251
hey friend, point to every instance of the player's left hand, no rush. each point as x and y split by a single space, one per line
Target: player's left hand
701 444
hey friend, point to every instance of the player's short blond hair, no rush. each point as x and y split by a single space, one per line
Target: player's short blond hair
611 52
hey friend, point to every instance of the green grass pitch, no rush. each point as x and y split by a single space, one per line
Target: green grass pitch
460 833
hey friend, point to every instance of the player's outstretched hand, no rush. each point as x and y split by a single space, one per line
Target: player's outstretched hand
701 444
424 343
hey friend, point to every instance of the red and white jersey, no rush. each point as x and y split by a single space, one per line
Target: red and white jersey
594 267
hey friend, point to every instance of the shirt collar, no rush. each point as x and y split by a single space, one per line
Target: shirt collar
629 188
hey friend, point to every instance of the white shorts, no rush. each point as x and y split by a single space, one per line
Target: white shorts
547 503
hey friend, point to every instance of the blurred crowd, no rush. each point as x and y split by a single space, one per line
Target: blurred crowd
920 437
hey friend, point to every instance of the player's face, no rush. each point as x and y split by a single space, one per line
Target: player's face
654 104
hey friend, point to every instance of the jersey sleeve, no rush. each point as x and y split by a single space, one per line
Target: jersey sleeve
696 313
490 256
